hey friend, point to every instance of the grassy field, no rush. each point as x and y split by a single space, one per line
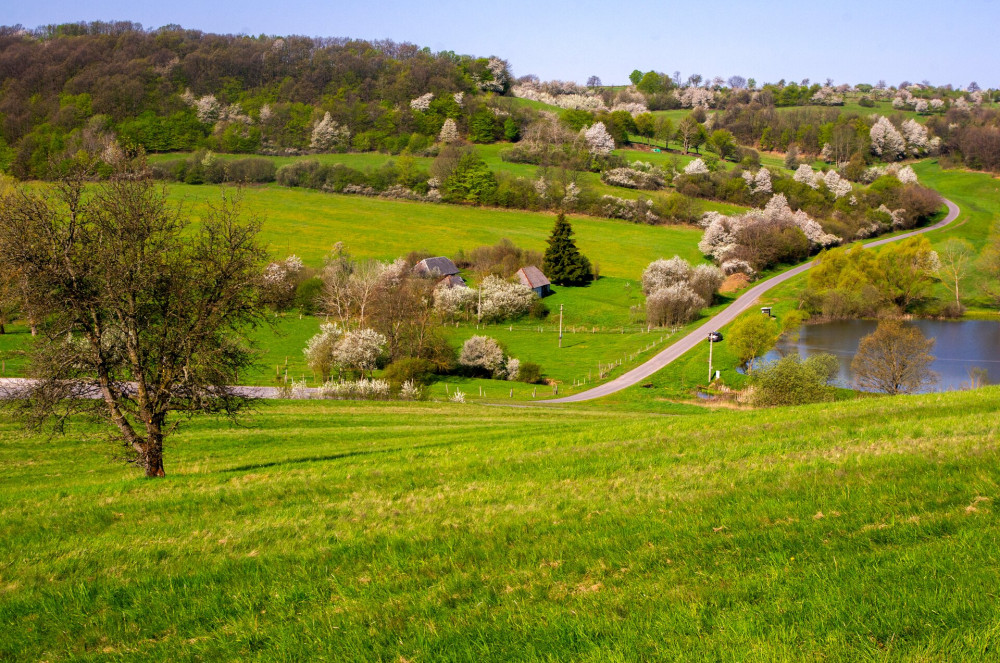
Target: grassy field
308 223
332 531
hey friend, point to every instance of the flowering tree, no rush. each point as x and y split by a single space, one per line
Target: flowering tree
484 353
706 281
805 174
327 134
280 279
906 175
321 350
423 102
916 138
674 305
887 142
696 167
360 350
663 273
450 301
449 132
502 299
599 141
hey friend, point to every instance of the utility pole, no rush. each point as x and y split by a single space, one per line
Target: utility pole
710 344
560 324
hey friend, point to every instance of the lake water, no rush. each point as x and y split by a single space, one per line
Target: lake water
960 345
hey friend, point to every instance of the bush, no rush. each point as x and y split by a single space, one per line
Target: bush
539 311
674 305
307 295
791 381
417 371
530 373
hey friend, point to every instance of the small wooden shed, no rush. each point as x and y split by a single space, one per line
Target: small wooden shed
532 277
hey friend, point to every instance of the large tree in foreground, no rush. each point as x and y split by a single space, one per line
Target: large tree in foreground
145 319
563 263
894 359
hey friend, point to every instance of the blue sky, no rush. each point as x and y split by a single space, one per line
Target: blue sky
849 41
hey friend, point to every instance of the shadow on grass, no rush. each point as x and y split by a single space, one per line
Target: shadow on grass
340 456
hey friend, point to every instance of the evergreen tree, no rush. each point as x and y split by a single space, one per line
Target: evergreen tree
563 263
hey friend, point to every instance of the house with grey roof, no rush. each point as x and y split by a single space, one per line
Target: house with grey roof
532 277
440 266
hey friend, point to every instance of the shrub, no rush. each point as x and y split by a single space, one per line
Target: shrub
674 305
483 355
539 310
307 295
791 381
415 370
530 373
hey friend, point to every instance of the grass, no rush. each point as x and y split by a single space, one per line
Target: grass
340 531
308 223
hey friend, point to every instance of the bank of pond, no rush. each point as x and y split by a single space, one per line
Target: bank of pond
965 351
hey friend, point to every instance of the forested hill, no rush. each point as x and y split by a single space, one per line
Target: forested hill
69 86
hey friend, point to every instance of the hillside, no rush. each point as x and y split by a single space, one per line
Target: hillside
425 532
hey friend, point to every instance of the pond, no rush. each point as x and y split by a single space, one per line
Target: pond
960 346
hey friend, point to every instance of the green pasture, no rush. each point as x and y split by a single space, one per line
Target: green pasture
863 530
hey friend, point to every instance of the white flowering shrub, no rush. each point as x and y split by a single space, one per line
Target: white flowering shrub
599 141
457 396
805 174
327 134
410 391
696 167
921 106
422 103
836 184
632 178
872 173
454 300
637 211
697 97
360 349
513 368
827 96
662 273
738 266
502 299
674 305
485 353
907 175
449 132
887 142
459 97
937 104
497 79
321 350
364 389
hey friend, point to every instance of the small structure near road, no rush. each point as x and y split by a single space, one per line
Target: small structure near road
440 265
532 277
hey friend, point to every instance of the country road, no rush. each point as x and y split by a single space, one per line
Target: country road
724 317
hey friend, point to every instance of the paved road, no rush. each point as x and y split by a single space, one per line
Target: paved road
727 315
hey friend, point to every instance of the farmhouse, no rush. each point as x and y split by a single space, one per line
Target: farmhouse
440 265
532 277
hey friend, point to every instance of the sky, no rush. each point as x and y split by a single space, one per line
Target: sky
942 41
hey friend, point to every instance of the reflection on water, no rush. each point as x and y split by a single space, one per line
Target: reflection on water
959 347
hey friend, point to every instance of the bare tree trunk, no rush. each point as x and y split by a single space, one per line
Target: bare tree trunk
154 456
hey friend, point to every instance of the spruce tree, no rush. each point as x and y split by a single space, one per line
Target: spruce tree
563 263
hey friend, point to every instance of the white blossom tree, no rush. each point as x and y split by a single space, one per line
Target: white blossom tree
321 350
449 132
599 141
887 142
502 299
450 301
423 102
696 167
916 138
662 273
360 350
327 134
484 353
674 305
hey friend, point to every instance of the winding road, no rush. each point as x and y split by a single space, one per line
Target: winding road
724 317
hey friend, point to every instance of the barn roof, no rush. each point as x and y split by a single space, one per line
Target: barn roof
532 277
452 281
440 264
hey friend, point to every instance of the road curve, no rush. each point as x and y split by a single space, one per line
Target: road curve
724 317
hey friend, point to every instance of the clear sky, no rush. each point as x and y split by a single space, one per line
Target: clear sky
943 41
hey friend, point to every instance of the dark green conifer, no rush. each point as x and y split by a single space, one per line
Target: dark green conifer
563 263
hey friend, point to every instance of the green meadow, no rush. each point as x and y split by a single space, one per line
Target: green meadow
387 532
